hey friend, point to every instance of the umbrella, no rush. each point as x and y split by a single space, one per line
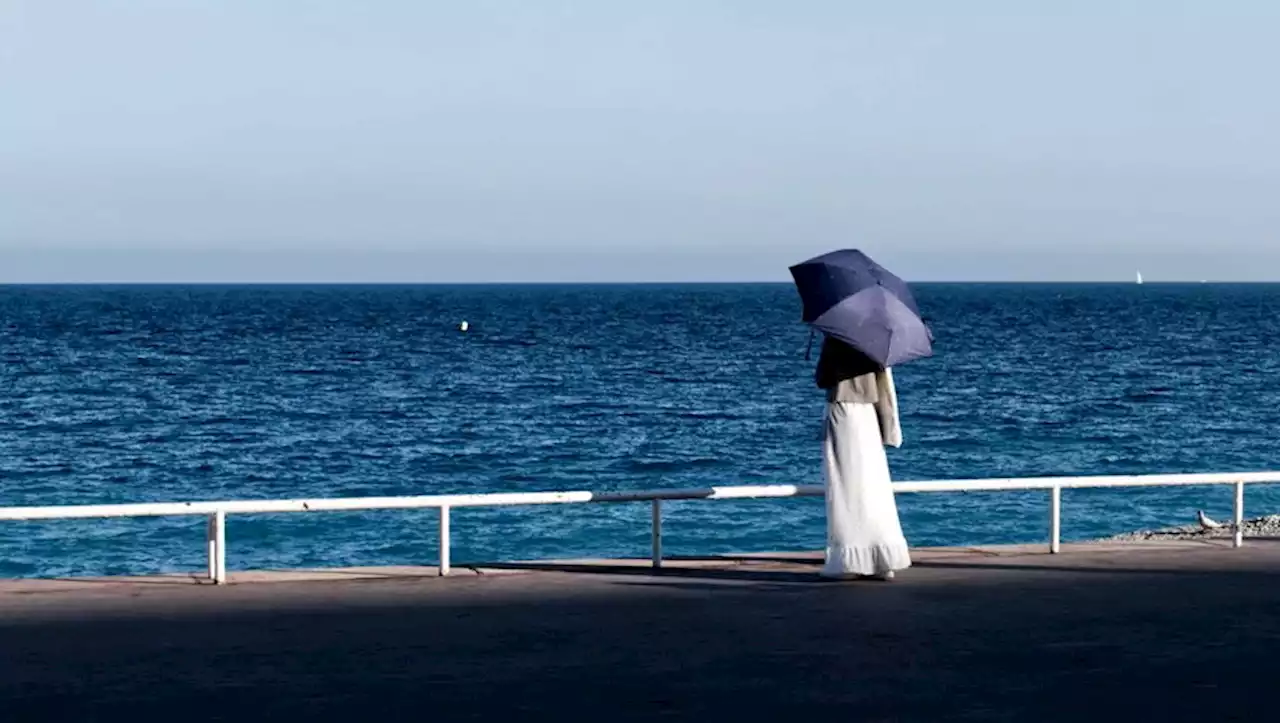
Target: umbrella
849 297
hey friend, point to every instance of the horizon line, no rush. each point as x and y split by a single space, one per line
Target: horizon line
330 282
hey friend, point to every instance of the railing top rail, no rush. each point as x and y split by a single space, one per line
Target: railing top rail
1046 483
159 509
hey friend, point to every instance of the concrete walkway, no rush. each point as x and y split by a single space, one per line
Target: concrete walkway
1163 632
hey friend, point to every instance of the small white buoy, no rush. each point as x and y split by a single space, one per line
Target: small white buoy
464 325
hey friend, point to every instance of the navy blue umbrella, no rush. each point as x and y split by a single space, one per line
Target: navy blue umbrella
849 297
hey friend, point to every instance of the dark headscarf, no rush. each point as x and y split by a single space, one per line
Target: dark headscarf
839 361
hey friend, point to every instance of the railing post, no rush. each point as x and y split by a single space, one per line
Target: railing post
1055 520
657 534
1238 540
216 536
444 540
211 542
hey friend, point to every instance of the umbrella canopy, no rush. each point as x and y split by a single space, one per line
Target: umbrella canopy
849 297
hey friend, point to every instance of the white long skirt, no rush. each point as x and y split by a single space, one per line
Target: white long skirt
864 536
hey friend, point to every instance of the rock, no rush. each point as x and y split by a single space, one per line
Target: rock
1256 527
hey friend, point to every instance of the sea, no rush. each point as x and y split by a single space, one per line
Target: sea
112 394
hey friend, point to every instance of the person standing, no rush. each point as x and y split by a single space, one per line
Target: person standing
864 534
870 323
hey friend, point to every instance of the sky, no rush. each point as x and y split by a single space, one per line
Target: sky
667 140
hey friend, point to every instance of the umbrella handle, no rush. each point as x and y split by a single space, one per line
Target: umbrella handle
808 350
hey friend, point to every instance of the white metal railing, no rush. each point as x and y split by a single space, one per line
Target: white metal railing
216 512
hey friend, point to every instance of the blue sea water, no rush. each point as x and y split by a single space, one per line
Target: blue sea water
152 393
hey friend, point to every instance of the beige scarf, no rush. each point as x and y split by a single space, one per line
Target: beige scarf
877 389
887 409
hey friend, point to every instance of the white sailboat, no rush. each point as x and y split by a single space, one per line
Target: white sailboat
1139 278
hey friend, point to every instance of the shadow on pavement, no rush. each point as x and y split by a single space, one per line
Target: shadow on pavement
1196 640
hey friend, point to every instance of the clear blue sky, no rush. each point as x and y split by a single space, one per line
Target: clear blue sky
669 139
